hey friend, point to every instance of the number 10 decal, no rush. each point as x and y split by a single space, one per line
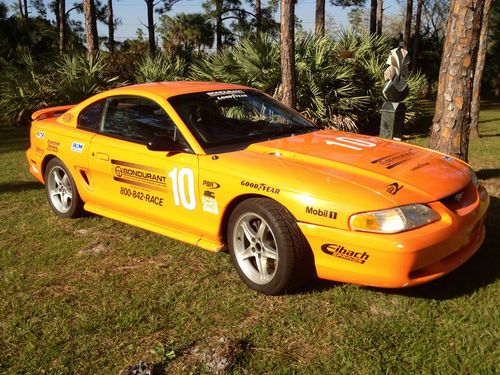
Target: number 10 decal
179 188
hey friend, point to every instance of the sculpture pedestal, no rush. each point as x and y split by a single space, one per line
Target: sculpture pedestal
392 120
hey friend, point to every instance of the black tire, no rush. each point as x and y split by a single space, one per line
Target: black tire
58 192
294 262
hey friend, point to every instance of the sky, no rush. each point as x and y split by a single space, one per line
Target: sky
132 14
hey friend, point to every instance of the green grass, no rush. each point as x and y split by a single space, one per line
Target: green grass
138 296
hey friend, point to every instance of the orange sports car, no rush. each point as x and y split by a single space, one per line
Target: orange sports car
226 166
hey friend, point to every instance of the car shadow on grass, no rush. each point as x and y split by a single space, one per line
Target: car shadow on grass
480 271
486 174
16 187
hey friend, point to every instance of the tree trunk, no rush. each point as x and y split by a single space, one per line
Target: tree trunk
320 18
497 85
111 28
258 16
61 25
57 13
373 16
287 46
151 26
26 11
218 24
478 74
450 128
380 16
409 16
90 27
416 39
21 10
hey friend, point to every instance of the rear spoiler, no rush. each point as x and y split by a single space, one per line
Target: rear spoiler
50 112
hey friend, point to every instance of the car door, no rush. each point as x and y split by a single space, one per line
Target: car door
157 187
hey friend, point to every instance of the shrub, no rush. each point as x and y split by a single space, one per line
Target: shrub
339 79
160 68
79 76
25 86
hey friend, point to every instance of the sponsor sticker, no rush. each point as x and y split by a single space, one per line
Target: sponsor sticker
321 212
418 166
260 187
393 188
393 160
40 135
140 195
139 175
53 146
77 147
210 184
209 202
341 252
67 117
227 94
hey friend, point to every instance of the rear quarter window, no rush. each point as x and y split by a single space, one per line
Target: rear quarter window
90 117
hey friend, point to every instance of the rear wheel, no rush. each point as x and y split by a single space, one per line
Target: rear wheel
267 248
61 190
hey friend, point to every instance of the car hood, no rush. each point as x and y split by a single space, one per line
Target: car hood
401 172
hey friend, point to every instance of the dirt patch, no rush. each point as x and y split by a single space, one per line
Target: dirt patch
96 247
142 368
214 355
83 232
377 310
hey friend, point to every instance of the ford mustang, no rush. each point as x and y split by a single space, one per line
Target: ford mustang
224 166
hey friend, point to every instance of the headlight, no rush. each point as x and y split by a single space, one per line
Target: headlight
473 178
394 220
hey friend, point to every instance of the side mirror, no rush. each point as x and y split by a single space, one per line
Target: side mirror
165 143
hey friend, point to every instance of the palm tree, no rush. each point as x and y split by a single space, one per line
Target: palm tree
186 32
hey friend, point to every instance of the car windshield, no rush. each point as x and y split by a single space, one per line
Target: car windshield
230 119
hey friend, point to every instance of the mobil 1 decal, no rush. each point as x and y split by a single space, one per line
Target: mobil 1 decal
139 175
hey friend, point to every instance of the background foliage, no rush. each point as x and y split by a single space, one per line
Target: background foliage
340 77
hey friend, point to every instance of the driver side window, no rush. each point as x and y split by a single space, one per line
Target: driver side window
138 120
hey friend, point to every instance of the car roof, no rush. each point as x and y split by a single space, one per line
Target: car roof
169 89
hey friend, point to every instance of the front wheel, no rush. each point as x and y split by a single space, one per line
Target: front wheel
267 248
61 190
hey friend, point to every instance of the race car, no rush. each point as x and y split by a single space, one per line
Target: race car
223 166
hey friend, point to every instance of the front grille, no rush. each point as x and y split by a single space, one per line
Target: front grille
460 199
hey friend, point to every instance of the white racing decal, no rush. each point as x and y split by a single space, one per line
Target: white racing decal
35 169
352 143
227 94
179 188
40 135
77 147
209 202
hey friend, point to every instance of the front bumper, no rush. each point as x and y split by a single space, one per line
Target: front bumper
403 259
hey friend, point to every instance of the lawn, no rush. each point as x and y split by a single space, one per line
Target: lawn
92 295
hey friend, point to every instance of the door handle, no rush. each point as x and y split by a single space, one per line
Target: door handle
102 156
